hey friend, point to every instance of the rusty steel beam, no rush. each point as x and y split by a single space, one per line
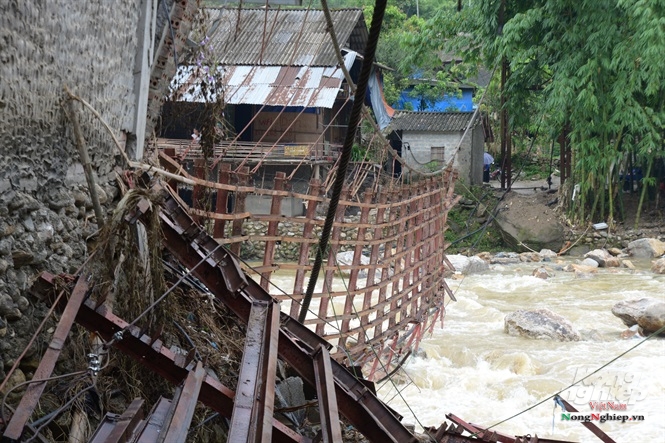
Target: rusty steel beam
47 364
152 427
590 426
494 436
184 408
162 361
119 429
189 244
255 396
479 432
325 389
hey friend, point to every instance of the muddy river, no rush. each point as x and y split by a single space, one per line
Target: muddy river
477 372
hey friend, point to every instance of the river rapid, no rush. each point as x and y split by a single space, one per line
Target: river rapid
479 373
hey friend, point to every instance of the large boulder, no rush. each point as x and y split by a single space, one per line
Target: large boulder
527 223
648 313
540 324
646 248
468 265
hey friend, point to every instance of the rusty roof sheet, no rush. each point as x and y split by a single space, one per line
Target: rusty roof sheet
282 37
430 121
312 87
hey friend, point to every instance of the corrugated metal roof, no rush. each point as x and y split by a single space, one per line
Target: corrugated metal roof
314 87
430 121
282 37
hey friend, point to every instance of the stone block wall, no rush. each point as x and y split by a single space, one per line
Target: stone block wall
45 208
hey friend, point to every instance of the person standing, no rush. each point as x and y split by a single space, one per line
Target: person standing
488 160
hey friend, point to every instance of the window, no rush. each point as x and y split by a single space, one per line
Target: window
438 153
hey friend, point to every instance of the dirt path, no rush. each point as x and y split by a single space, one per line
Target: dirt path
530 197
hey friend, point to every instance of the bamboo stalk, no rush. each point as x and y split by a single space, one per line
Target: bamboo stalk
85 161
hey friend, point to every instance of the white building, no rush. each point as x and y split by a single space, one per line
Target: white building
430 140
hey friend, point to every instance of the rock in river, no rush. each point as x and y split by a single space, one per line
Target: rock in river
468 265
540 324
646 248
648 313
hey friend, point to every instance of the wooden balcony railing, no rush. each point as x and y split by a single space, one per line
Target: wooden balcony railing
282 153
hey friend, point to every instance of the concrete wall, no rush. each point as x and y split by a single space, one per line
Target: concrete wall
420 151
89 46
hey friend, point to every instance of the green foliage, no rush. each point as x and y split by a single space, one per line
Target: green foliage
467 232
594 66
358 153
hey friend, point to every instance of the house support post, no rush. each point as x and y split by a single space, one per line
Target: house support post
224 176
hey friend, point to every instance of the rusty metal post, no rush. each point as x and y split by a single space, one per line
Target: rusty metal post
334 247
325 389
419 252
374 259
238 208
184 408
308 228
275 211
393 196
357 256
221 207
255 396
45 369
400 261
410 276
